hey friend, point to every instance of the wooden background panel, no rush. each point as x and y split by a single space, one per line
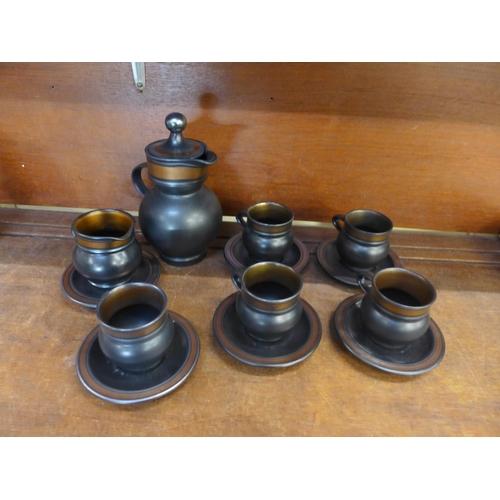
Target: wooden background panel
419 142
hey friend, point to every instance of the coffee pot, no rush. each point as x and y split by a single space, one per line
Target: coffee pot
180 216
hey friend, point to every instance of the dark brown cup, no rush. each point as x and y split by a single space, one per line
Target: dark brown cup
363 240
396 308
267 233
135 327
269 303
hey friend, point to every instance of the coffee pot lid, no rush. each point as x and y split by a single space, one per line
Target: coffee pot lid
176 148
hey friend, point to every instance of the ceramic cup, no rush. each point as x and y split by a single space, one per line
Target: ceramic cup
396 308
363 240
267 233
268 304
106 251
135 327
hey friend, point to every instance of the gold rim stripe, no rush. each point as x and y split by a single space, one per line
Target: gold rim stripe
176 173
102 245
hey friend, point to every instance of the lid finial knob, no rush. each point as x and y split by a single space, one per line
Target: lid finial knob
176 123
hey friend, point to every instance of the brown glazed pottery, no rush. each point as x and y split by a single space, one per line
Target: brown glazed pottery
268 304
135 327
107 252
180 216
363 240
396 308
267 233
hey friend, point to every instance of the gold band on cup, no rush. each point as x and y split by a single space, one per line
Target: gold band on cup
128 295
103 229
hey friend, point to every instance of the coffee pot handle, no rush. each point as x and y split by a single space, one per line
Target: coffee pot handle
137 179
239 218
336 221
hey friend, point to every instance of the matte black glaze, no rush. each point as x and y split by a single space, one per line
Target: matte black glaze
141 343
180 223
103 378
293 348
108 269
269 304
329 259
416 358
107 257
237 255
389 319
83 292
267 325
180 216
267 232
363 241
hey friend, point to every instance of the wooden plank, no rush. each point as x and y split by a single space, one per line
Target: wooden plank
418 142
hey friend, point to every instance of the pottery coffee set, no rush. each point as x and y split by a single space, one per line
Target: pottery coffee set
141 350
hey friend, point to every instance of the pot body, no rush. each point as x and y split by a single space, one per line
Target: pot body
106 251
180 223
180 216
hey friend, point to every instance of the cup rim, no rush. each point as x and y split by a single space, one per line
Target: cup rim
279 304
266 224
397 307
370 235
89 241
137 331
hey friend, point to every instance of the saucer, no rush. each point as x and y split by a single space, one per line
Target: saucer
419 357
103 378
80 290
237 256
296 346
329 259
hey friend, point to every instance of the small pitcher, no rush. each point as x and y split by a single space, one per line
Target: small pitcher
107 252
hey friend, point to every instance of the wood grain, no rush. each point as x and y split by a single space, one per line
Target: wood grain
418 142
329 394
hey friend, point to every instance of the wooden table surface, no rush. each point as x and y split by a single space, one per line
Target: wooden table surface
329 394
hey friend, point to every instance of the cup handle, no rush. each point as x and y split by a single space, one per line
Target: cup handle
239 218
236 278
336 221
362 278
137 179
